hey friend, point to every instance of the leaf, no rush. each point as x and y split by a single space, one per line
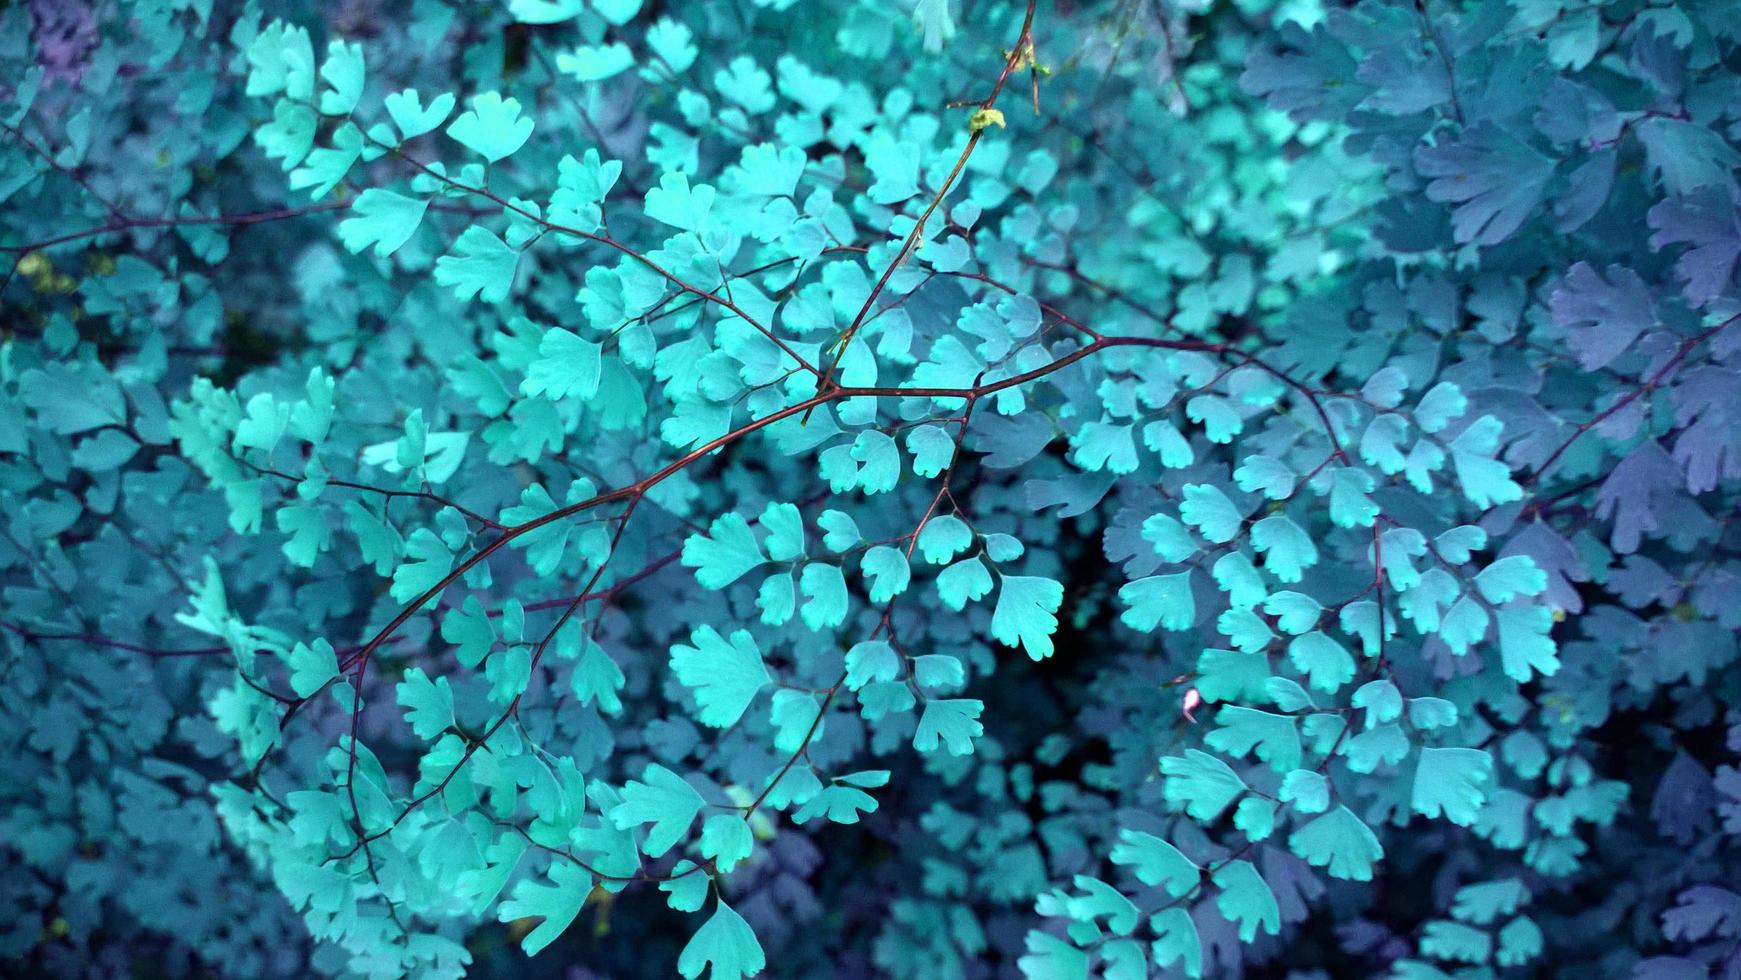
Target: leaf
428 704
1511 576
1495 179
1025 613
1339 842
567 366
383 219
1687 156
932 449
1156 862
660 798
428 563
1602 317
412 118
839 803
871 660
724 676
722 555
886 570
493 127
954 723
480 265
1526 647
879 461
944 537
1159 600
785 527
1452 781
1242 731
1287 549
1208 510
1486 481
1231 675
311 667
1246 901
557 904
825 602
545 11
469 629
1308 791
1199 783
687 887
597 678
1324 662
840 532
1176 939
726 838
963 582
675 203
344 71
727 943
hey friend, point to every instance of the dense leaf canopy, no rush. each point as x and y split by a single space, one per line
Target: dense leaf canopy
954 488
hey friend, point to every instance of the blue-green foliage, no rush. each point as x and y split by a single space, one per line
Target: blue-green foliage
1254 483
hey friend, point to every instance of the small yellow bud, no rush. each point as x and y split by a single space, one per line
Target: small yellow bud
983 118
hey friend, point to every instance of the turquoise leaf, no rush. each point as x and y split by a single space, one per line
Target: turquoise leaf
1025 613
722 555
428 704
963 582
1156 862
726 838
1242 731
871 660
1452 781
1169 538
1159 600
557 904
1339 842
677 204
1208 510
887 571
1287 549
480 265
469 629
840 532
1526 647
724 676
879 461
383 219
311 667
1326 664
953 723
344 71
1511 576
932 449
1308 791
944 537
1246 900
785 527
727 943
1199 783
412 118
687 888
825 597
1486 481
493 127
660 798
1176 940
428 561
1232 675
